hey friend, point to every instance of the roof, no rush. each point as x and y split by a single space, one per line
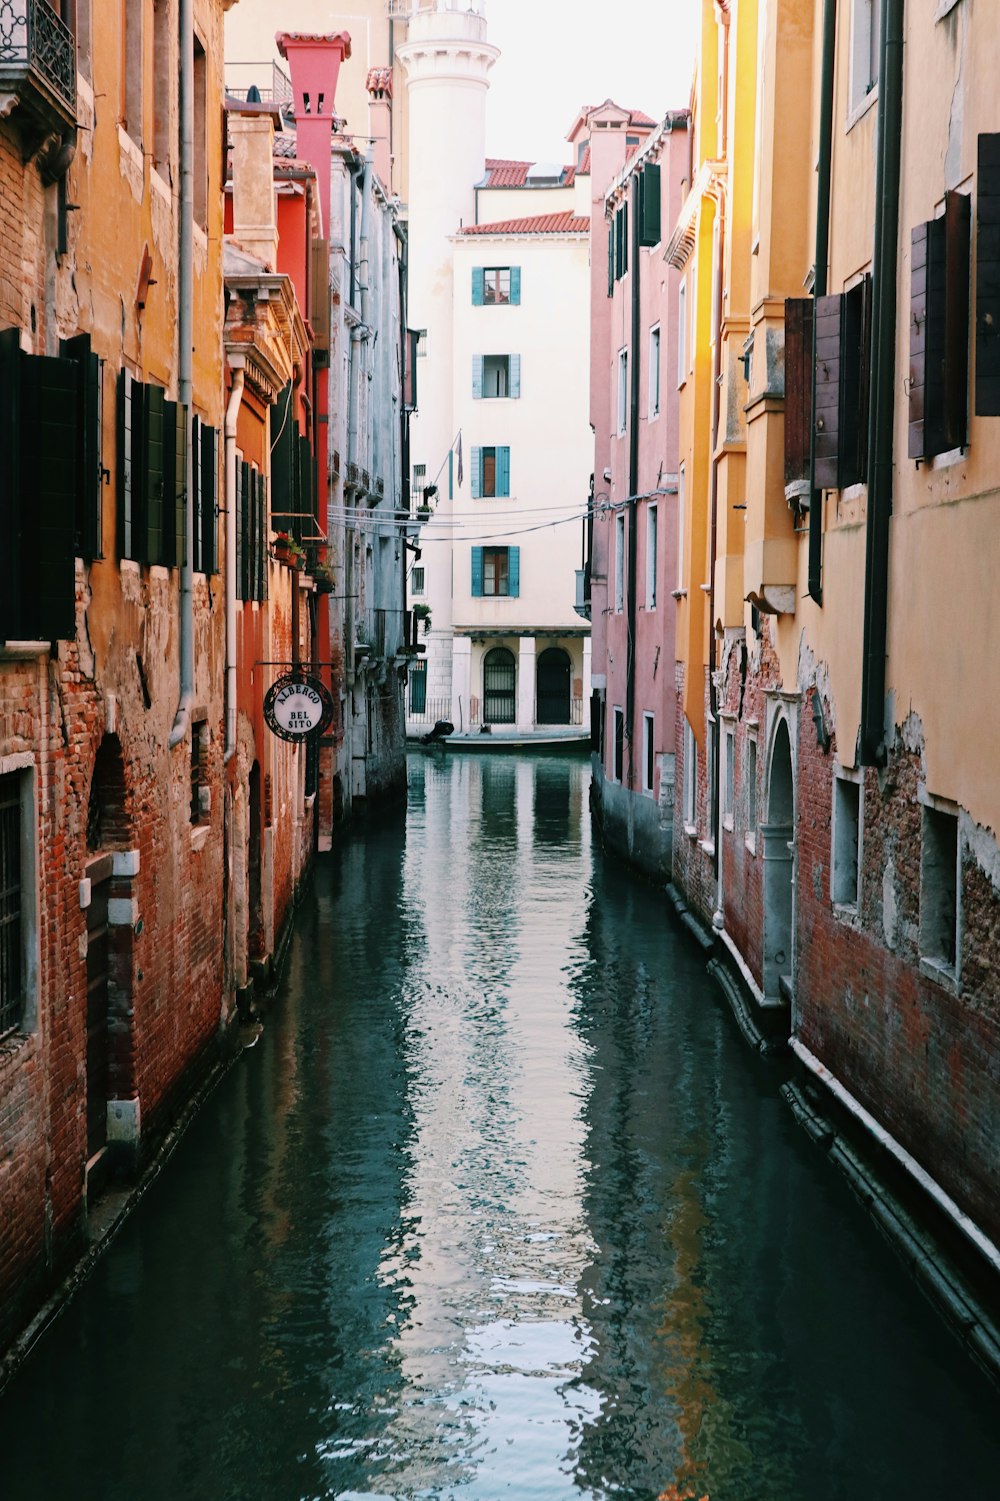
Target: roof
535 224
505 172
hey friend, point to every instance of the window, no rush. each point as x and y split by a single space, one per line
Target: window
648 754
651 557
496 571
496 375
619 562
162 70
865 28
421 343
200 791
619 744
751 781
15 895
200 172
729 782
132 112
418 688
251 533
681 520
419 477
939 330
619 231
490 472
654 373
496 286
682 333
417 581
845 882
939 889
690 778
622 392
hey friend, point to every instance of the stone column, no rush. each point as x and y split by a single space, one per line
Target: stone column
461 682
526 685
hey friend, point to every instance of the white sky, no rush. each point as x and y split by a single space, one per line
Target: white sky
560 54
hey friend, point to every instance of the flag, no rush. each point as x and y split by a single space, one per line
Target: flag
459 447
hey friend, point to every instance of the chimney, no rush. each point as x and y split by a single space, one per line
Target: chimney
314 63
379 85
255 220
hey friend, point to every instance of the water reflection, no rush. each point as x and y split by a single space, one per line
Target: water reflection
499 1205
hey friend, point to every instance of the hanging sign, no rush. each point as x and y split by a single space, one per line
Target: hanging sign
297 706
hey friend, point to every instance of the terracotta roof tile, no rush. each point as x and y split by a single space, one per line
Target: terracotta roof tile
535 224
505 172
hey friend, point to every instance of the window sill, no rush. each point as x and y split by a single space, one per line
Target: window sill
691 830
707 846
941 973
12 1045
160 185
945 8
944 460
751 844
860 110
199 835
727 822
847 913
130 148
23 651
678 594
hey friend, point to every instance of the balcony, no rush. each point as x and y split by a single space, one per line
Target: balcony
37 69
582 605
259 83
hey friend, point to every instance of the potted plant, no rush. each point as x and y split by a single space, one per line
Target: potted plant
423 613
323 578
281 546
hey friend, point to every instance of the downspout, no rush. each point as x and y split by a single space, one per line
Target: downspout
232 413
633 489
882 395
717 290
824 170
185 290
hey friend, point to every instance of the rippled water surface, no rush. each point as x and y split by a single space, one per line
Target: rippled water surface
500 1205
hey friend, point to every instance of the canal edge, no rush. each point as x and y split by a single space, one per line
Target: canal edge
960 1283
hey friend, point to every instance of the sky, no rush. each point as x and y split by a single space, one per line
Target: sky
560 54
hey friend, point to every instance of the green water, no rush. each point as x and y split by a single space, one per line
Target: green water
499 1205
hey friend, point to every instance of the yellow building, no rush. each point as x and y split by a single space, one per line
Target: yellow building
844 833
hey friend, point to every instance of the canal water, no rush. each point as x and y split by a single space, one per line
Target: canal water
499 1205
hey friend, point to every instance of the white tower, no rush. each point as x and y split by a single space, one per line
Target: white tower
446 59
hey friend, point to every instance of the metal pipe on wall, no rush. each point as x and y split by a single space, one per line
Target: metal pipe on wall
823 175
185 297
232 414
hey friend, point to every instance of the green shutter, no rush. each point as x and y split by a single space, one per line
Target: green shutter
514 572
208 510
261 526
152 540
130 462
515 285
243 530
515 375
611 259
307 490
477 572
478 286
476 473
198 563
478 361
503 471
282 458
87 523
180 488
10 426
48 498
649 205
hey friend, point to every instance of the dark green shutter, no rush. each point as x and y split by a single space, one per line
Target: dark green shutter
282 460
798 386
151 542
513 572
649 205
87 522
611 259
855 340
10 511
927 325
242 529
988 278
262 537
197 563
131 466
209 508
48 495
957 222
477 572
179 556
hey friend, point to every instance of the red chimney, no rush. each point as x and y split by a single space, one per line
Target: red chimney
314 63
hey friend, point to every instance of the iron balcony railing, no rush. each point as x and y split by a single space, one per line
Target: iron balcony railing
37 46
264 83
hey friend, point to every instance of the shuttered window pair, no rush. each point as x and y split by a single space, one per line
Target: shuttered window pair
939 331
496 375
50 485
251 533
496 286
842 374
152 480
490 472
496 571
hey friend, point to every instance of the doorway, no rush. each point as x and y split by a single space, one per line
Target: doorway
553 674
778 835
499 678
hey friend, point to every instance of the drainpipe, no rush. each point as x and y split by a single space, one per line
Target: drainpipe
882 397
185 290
633 488
717 290
232 412
815 578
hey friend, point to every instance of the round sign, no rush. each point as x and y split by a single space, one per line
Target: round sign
297 706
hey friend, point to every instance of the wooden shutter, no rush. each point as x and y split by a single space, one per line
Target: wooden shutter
209 512
611 259
515 375
198 563
503 472
151 539
957 220
243 529
798 386
48 498
283 431
476 472
649 205
478 285
477 572
87 523
478 361
180 487
515 286
260 532
927 323
827 415
10 517
130 464
514 572
988 278
853 440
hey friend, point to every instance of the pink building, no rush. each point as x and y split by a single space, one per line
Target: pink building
638 172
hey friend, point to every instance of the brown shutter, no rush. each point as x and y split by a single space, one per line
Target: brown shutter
827 415
927 338
988 278
957 217
798 386
853 440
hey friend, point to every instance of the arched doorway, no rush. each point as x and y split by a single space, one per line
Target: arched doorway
553 675
499 687
255 855
777 835
107 832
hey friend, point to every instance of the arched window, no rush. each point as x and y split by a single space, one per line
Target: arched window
107 813
499 679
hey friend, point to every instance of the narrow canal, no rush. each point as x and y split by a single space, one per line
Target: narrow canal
499 1205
